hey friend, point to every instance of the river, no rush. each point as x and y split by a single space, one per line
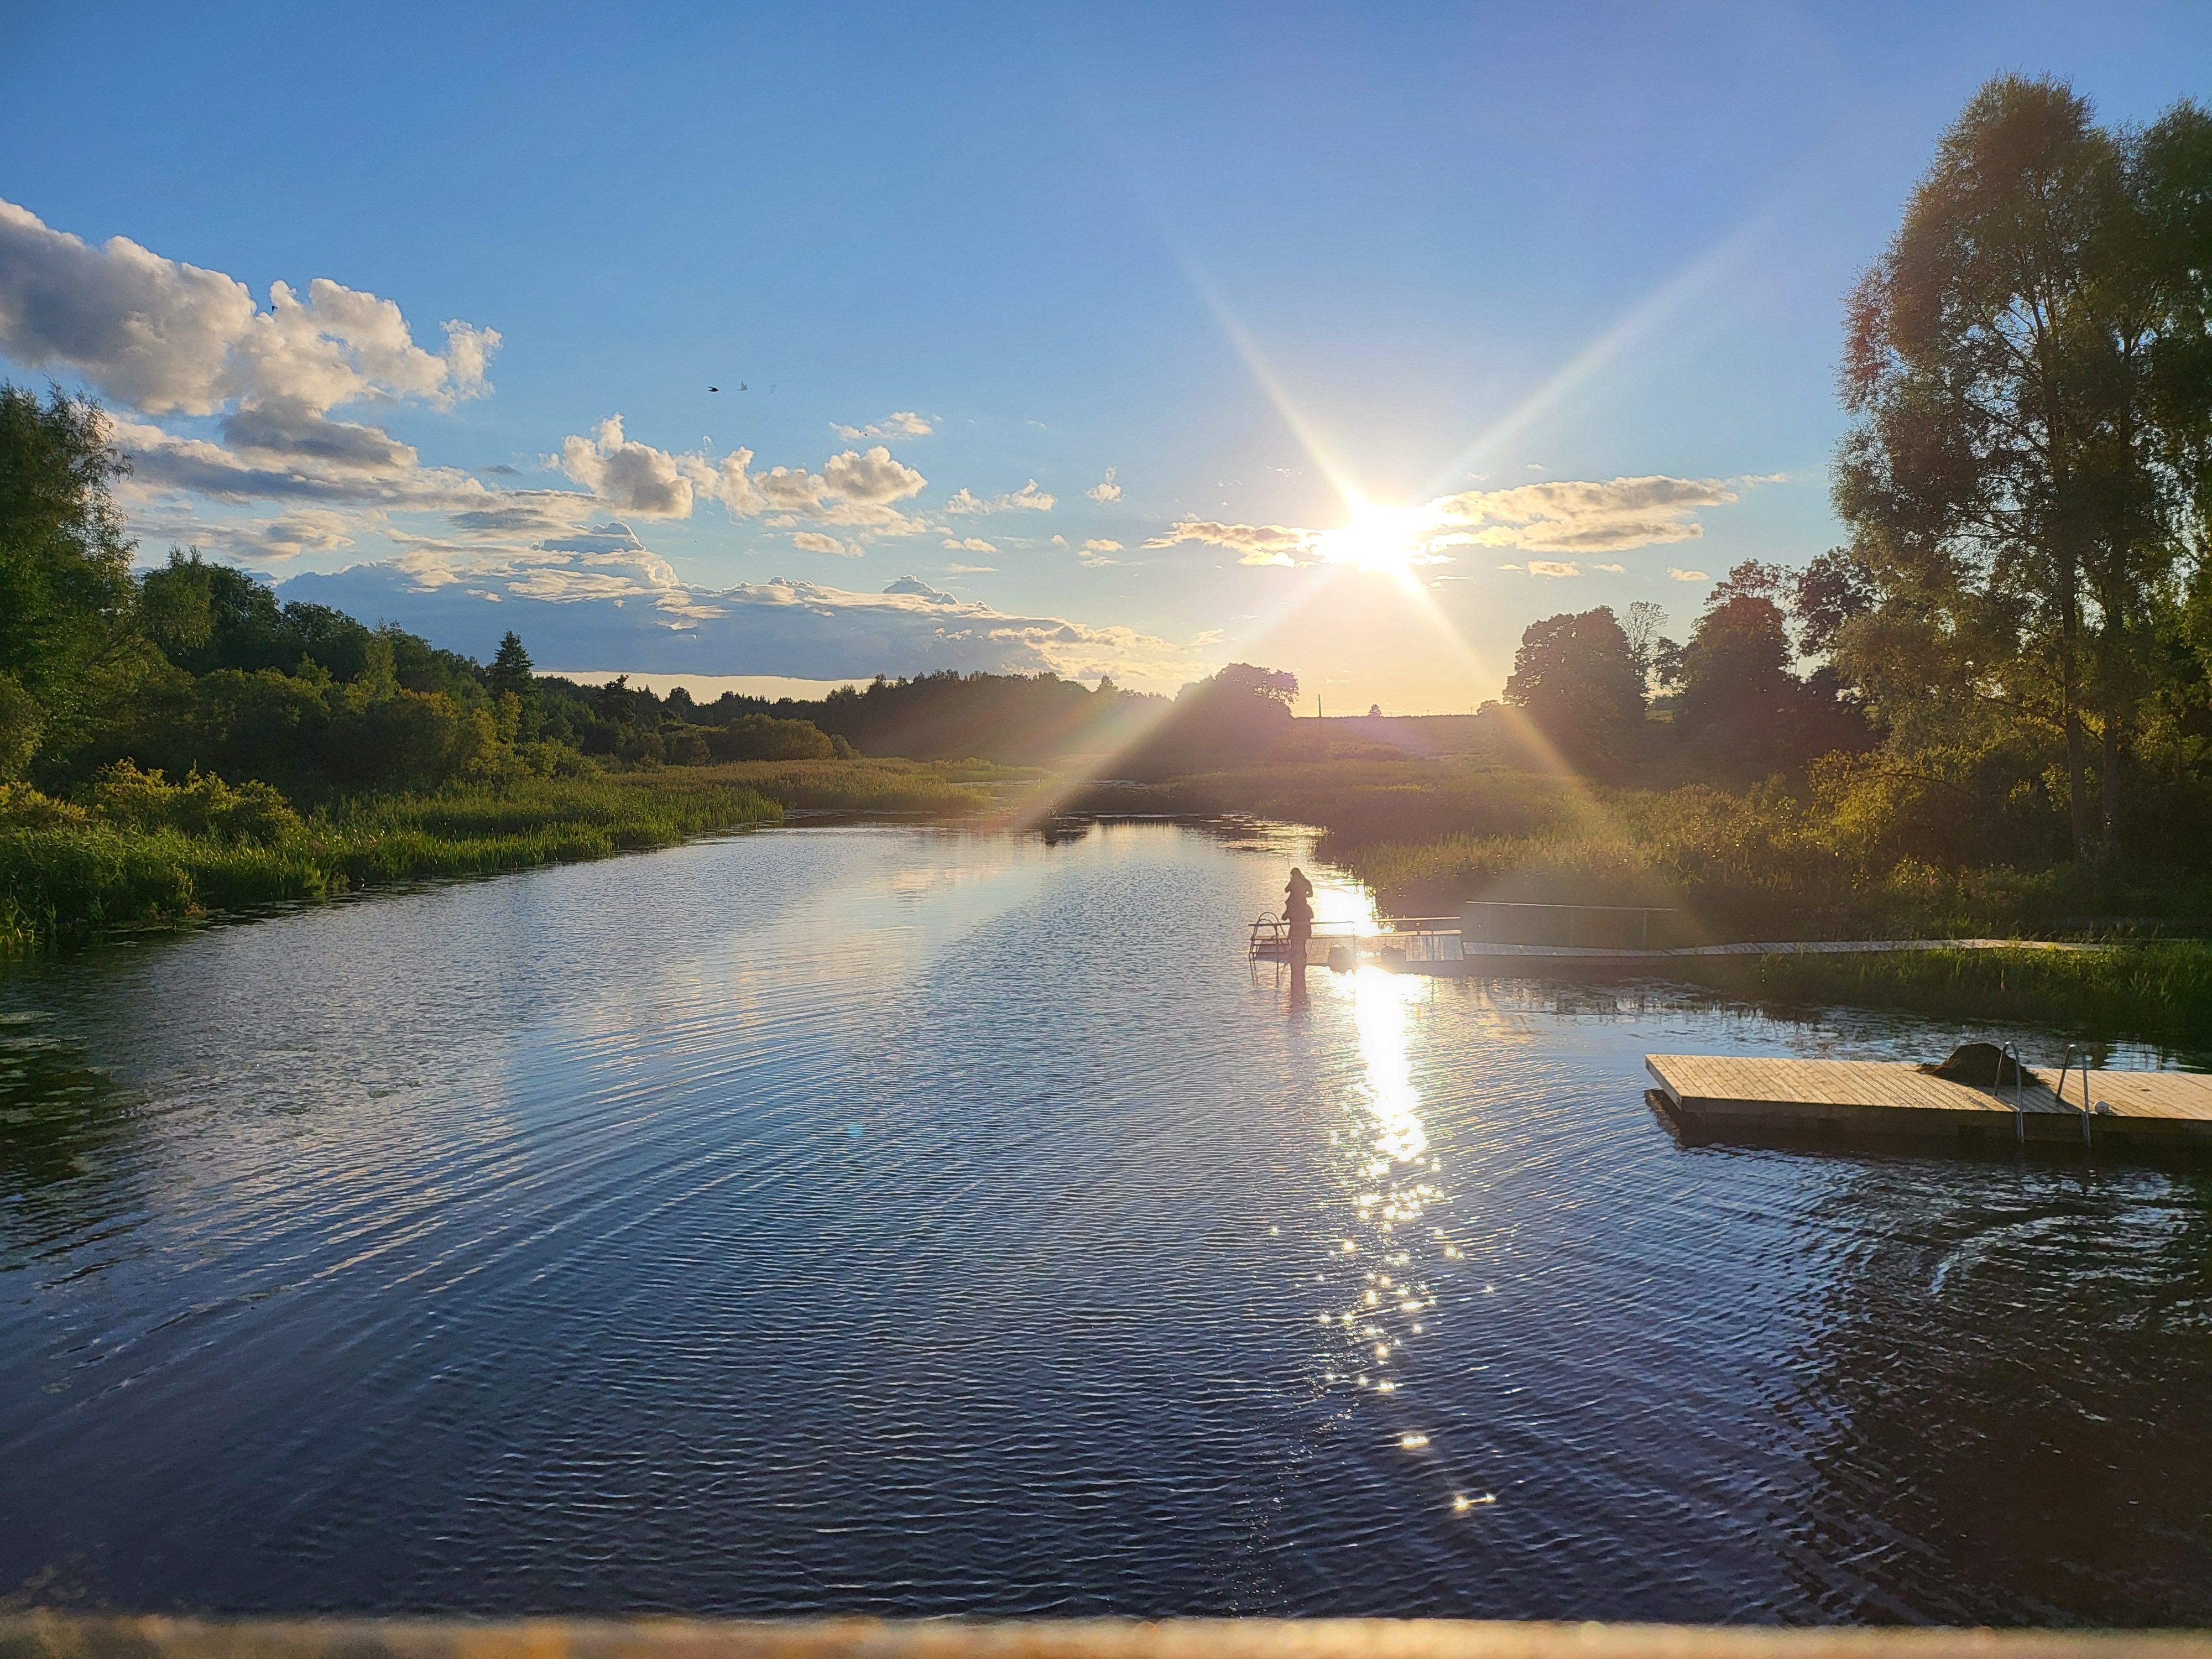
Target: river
905 1221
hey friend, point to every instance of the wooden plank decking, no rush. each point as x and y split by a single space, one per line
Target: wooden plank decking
1721 1093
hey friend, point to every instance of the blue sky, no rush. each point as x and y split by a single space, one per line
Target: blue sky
1251 260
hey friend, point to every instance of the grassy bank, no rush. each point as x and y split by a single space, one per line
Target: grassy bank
2161 991
147 853
1763 863
1766 863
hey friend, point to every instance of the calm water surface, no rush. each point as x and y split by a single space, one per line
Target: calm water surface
899 1221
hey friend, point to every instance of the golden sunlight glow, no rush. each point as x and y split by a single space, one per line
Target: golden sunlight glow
1387 539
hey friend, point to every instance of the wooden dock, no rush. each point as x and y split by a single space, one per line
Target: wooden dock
1728 1096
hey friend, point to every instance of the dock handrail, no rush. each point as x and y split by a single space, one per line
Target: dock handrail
2066 1066
2011 1051
1643 912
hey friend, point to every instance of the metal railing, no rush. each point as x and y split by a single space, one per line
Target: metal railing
1533 912
2066 1066
2011 1051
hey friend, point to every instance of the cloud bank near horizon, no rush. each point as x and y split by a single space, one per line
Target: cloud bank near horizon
602 596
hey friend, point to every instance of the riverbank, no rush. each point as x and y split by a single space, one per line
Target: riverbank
140 851
2160 991
1768 863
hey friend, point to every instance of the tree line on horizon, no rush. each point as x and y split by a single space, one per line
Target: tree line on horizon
110 676
2010 657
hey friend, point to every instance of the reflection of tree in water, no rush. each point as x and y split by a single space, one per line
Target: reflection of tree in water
2007 1423
59 1116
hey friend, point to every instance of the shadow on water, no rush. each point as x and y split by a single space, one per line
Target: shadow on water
1995 1409
59 1113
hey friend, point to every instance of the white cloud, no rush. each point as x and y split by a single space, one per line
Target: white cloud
971 545
1681 575
1582 516
1105 489
1253 544
970 569
1612 569
900 424
871 479
631 476
169 338
1553 567
1099 552
1028 498
854 488
809 541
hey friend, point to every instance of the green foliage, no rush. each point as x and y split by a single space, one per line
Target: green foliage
2161 991
765 737
68 644
140 851
936 789
2026 480
201 806
1580 682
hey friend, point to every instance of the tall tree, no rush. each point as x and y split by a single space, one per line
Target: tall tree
2003 479
68 625
1579 680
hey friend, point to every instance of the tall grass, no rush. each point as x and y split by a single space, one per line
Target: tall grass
935 789
2159 991
67 870
78 874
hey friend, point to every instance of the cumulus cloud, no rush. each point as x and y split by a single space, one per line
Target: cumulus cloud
810 541
1553 567
1582 516
920 589
900 424
1028 499
1098 552
970 569
855 488
1681 575
632 477
1612 569
1105 489
169 338
871 479
970 544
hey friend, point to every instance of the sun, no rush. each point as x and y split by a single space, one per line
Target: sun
1392 539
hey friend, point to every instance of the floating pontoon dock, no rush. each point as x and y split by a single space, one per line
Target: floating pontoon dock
1725 1094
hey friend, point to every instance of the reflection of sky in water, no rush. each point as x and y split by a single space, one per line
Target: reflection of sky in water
963 1222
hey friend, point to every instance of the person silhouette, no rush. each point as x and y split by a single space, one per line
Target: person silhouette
1297 911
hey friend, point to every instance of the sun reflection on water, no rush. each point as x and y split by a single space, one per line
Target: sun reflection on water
1389 1169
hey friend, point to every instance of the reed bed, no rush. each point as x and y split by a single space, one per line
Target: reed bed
2159 991
77 873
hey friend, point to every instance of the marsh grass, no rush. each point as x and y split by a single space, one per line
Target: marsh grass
62 880
2160 991
939 789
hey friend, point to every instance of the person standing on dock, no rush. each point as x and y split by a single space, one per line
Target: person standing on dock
1297 911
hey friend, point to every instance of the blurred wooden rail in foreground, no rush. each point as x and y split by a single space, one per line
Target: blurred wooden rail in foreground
47 1636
